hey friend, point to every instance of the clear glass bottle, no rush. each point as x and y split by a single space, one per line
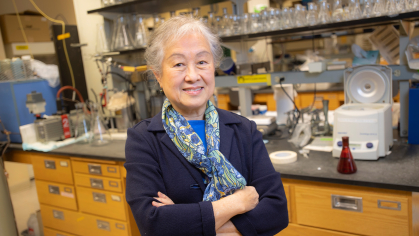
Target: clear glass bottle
346 161
82 124
100 134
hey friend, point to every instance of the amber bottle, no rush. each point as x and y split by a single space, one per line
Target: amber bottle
346 161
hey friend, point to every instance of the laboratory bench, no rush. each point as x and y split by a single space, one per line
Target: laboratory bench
81 191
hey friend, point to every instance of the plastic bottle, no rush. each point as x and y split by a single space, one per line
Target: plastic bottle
33 226
346 161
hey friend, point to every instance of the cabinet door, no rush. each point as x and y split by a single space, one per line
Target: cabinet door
356 212
94 225
54 194
52 169
61 219
102 203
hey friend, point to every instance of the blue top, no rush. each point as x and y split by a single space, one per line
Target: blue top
154 164
199 127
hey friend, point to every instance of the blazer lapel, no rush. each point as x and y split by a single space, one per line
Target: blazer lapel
226 137
195 173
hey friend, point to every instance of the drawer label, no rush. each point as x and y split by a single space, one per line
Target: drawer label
65 194
251 79
63 163
116 198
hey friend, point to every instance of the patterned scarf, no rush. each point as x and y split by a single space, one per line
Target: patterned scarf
224 177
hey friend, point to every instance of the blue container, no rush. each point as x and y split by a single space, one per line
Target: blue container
413 116
13 110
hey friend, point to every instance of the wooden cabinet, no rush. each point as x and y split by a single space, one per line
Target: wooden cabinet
54 194
62 219
98 182
52 232
97 168
51 168
301 230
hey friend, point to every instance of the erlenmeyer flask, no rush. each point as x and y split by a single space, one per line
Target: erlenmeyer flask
368 9
100 134
311 14
286 18
140 34
324 16
346 161
299 16
356 11
122 37
102 44
391 7
337 14
378 8
82 124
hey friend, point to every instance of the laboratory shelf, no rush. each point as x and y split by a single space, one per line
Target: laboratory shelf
152 6
329 28
123 52
400 72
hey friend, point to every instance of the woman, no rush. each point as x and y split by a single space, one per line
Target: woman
194 169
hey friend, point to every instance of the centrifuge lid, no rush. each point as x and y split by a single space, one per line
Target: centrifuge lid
368 84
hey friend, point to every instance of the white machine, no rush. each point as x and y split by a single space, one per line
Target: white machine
366 116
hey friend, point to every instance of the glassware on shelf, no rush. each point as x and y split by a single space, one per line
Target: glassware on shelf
265 20
378 8
278 16
291 11
356 11
102 44
82 124
99 133
122 39
246 23
226 24
337 13
299 16
195 12
368 9
156 21
391 7
172 14
236 25
324 16
312 14
140 32
286 18
346 161
256 23
218 26
415 5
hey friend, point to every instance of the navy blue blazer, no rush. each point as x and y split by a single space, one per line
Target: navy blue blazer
154 164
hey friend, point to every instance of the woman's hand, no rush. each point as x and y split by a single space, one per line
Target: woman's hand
228 229
247 197
163 200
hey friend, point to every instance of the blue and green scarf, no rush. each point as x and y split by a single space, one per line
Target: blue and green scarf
224 177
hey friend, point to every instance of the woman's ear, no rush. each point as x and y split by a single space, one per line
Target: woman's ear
157 75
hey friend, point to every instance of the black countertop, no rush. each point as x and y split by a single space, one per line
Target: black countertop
398 171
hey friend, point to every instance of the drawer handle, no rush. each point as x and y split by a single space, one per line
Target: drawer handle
68 190
95 169
385 206
347 203
96 183
120 226
99 197
54 189
103 225
49 164
111 169
58 214
113 184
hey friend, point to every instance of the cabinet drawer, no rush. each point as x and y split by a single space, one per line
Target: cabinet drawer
55 194
102 203
62 219
52 169
93 225
356 212
98 182
53 232
300 230
96 169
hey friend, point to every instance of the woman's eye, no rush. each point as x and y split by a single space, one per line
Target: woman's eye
202 62
178 65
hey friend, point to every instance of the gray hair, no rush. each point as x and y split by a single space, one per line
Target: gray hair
173 29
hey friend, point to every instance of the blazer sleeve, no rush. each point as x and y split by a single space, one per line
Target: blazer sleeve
270 216
144 180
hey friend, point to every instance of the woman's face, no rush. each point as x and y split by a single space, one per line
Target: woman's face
187 76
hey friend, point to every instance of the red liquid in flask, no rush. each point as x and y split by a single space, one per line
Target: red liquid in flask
346 161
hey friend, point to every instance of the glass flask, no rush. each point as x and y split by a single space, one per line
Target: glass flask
156 21
346 161
299 16
356 11
337 14
324 16
141 32
217 26
391 7
278 17
195 12
368 9
286 18
378 8
82 124
256 25
102 43
122 39
311 14
236 25
226 23
246 23
265 20
99 133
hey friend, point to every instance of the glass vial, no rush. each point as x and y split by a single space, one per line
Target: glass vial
346 161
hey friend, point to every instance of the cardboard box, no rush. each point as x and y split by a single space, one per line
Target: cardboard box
36 28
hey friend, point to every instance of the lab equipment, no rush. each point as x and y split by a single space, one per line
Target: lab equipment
265 124
13 110
50 129
346 163
35 103
82 123
123 106
100 134
301 135
366 115
122 38
315 122
283 157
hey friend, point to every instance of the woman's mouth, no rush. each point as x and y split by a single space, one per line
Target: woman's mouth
193 91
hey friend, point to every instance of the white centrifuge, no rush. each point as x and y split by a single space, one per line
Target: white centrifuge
366 116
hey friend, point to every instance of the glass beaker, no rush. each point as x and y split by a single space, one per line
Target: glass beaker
141 32
312 14
82 124
346 161
99 133
122 35
324 16
102 43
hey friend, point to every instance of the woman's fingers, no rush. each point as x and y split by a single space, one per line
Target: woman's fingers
157 204
163 200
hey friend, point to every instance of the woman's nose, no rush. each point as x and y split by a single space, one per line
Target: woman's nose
192 74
